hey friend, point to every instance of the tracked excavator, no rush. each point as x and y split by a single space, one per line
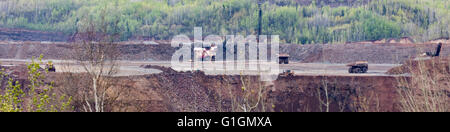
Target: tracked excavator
436 54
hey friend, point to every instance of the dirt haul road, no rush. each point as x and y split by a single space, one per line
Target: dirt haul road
134 68
389 53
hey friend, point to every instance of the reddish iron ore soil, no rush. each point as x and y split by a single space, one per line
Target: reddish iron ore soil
195 91
23 44
436 65
178 91
62 51
347 93
346 53
318 53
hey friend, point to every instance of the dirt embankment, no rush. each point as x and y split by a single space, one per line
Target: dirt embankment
195 91
346 53
435 66
345 93
328 53
428 88
61 51
18 75
23 44
8 34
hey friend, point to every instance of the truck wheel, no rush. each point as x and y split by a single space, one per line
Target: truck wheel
364 70
350 70
360 70
356 70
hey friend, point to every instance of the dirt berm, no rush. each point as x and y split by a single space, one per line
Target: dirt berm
327 53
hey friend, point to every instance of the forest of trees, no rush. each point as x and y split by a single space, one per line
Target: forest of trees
294 21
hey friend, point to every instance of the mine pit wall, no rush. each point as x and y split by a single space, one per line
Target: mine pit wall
318 53
61 51
195 91
198 92
346 93
347 53
27 51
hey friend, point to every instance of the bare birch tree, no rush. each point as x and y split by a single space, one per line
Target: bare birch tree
97 55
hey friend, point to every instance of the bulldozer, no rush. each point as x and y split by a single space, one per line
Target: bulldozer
287 73
358 67
50 67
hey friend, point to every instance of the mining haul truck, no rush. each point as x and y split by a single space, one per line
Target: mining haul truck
358 67
206 53
283 58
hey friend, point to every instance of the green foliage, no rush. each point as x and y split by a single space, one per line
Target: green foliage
39 98
295 23
375 28
11 100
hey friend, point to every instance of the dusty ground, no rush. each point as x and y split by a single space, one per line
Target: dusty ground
154 87
318 53
133 68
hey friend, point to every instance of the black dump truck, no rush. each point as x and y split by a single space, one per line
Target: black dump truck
283 58
358 67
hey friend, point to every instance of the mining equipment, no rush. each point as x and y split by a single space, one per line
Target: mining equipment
436 54
50 67
287 73
283 58
206 53
358 67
